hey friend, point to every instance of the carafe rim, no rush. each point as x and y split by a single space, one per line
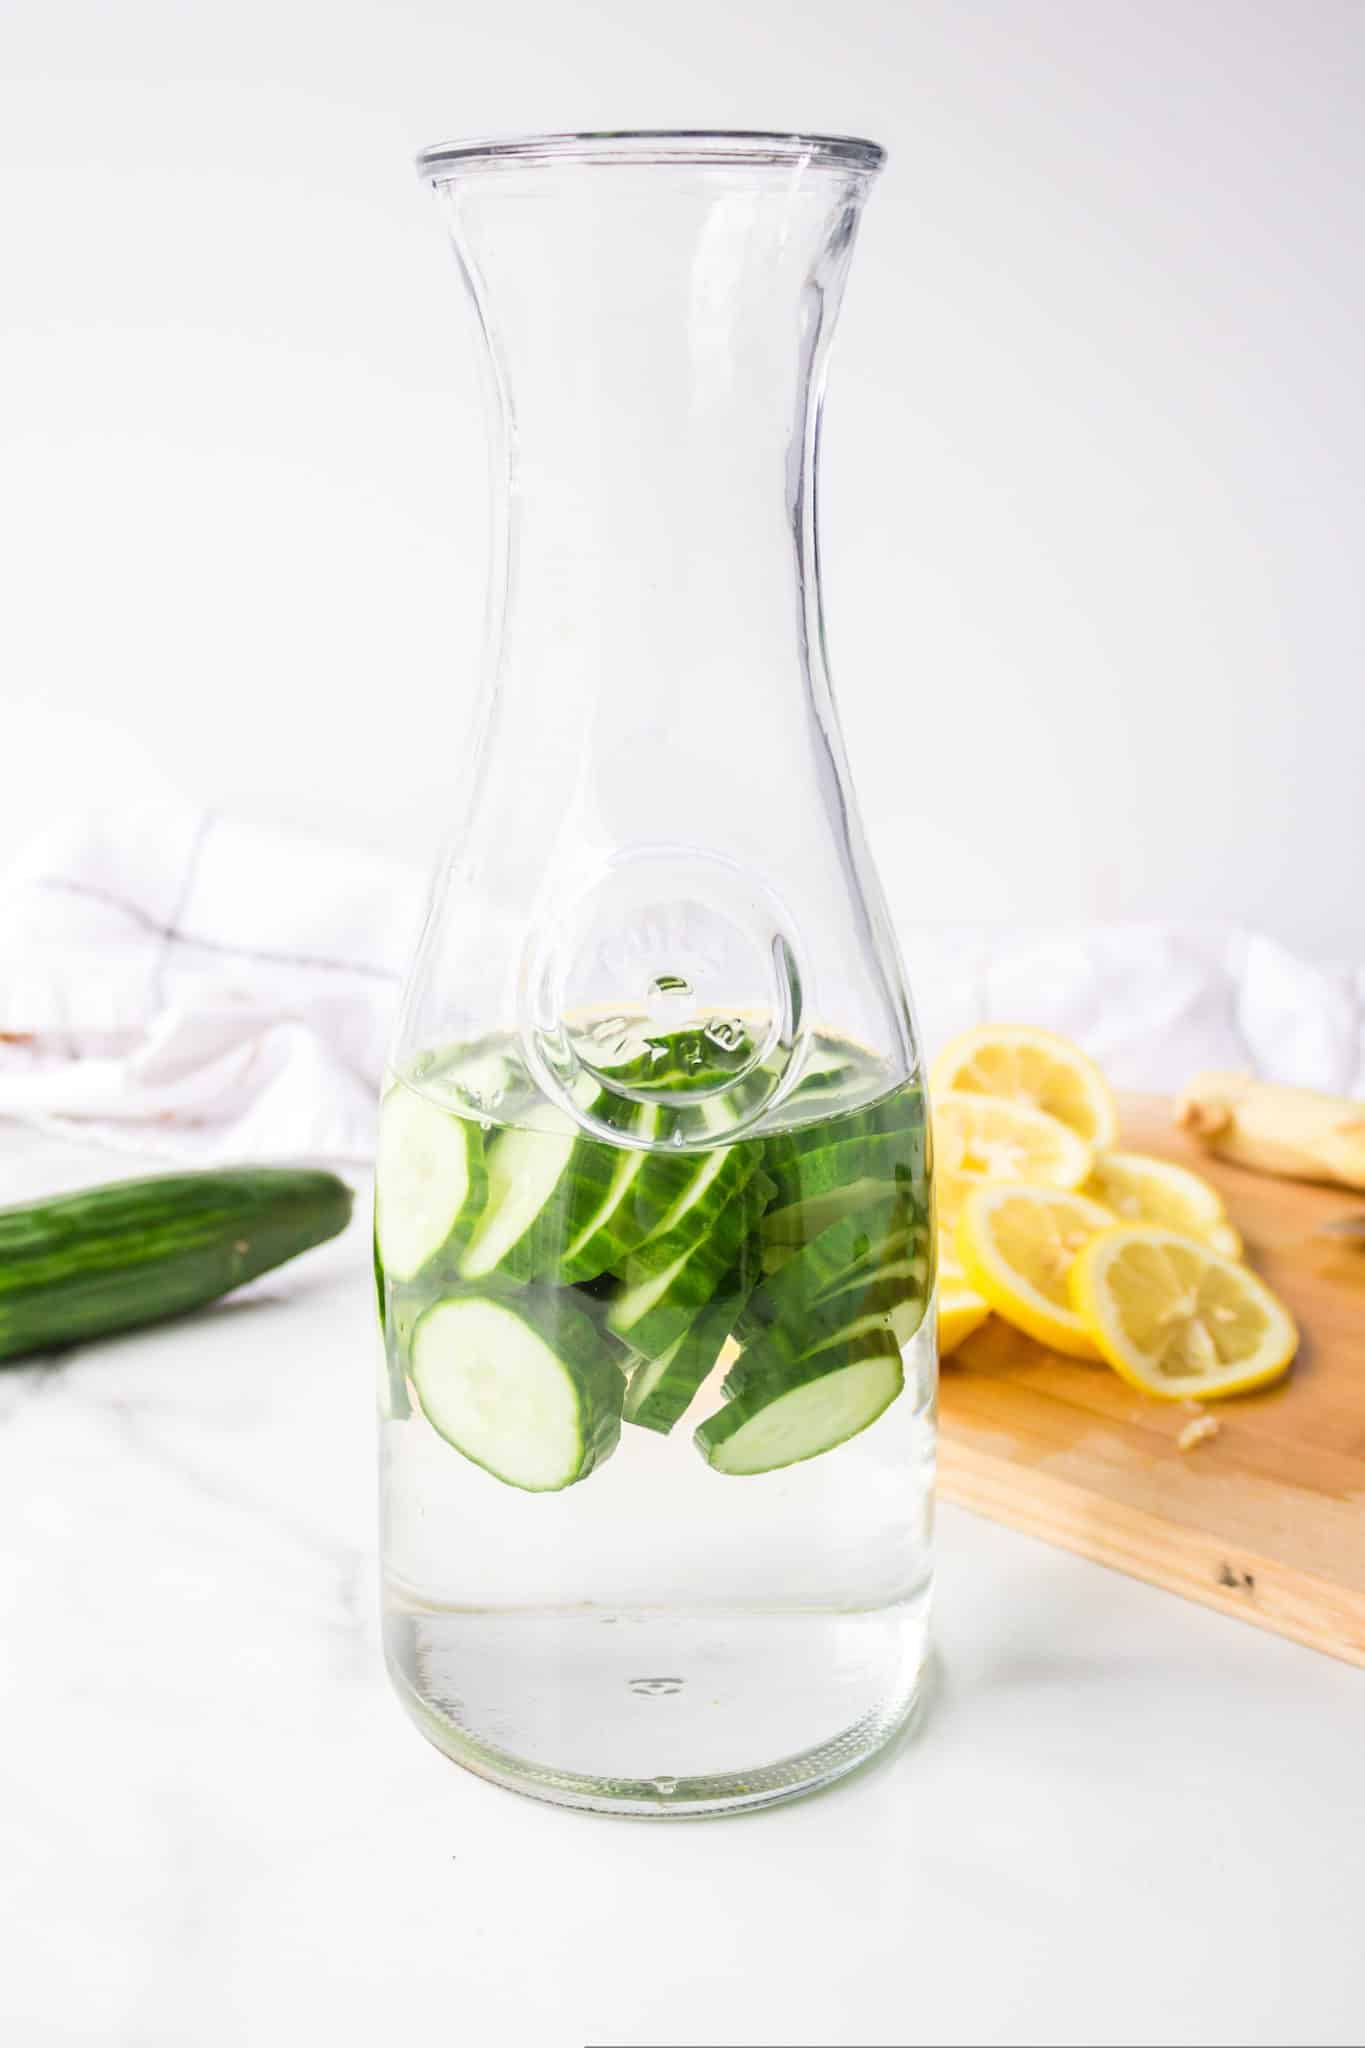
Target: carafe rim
664 146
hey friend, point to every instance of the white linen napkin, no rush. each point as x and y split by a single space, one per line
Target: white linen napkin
204 988
198 986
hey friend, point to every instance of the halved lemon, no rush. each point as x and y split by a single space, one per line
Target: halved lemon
1143 1190
1037 1068
960 1313
1017 1246
1175 1318
1003 1140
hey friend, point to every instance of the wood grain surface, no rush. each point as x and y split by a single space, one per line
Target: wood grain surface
1266 1519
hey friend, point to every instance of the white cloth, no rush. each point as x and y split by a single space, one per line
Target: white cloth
176 981
193 985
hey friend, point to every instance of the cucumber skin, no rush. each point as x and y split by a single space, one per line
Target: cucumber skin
697 1351
637 1215
895 1157
709 1258
830 1259
536 1254
740 1175
900 1113
133 1252
744 1406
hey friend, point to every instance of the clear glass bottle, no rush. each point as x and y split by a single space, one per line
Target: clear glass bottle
654 1235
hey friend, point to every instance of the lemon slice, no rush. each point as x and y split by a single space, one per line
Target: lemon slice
1017 1245
1143 1190
1175 1318
960 1312
1004 1140
1036 1068
950 1192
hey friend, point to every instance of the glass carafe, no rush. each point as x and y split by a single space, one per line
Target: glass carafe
654 1235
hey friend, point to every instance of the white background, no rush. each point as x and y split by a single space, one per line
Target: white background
1095 443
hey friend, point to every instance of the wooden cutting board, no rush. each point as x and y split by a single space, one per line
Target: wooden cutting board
1266 1519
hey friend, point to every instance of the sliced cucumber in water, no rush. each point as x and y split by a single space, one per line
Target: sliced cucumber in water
898 1117
789 1227
673 1277
889 1156
828 1396
519 1385
895 1293
890 1297
543 1182
853 1245
662 1389
430 1183
643 1190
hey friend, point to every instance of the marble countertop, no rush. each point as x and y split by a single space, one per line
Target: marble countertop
1121 1818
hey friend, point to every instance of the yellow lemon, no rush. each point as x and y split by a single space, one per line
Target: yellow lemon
1004 1140
1017 1245
1176 1318
1143 1190
1036 1068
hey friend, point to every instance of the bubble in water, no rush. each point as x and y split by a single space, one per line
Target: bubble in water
665 1786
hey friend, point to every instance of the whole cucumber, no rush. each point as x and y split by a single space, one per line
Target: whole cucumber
132 1252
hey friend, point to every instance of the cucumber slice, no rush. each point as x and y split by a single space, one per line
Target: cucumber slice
901 1112
430 1183
896 1157
522 1388
672 1278
853 1245
662 1389
793 1225
891 1297
544 1180
895 1294
643 1189
717 1176
834 1393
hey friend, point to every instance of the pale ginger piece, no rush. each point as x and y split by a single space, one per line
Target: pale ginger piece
1197 1432
1294 1132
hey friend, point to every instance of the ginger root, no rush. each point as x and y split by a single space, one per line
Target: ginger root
1291 1131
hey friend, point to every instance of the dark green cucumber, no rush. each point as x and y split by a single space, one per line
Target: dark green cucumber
133 1252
